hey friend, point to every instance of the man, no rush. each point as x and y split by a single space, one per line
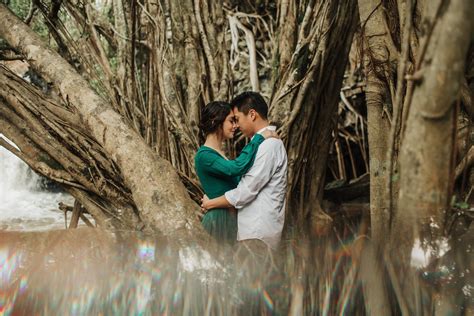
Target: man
260 195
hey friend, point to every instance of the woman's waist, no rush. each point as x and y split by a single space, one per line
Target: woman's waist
220 209
221 212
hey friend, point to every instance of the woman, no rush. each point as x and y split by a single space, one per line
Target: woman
216 173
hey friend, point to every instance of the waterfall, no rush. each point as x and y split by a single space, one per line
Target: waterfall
24 205
15 176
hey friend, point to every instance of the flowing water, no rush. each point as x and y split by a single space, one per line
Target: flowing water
24 205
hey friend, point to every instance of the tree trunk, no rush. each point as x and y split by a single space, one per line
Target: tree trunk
304 101
379 52
426 158
55 144
161 198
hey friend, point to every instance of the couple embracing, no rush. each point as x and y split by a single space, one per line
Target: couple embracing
245 197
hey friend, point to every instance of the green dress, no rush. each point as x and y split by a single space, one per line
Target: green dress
219 175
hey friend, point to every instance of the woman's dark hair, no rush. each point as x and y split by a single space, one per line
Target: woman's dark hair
212 117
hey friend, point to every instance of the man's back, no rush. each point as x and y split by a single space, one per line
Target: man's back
260 195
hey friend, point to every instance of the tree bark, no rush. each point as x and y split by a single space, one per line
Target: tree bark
304 103
161 198
54 143
426 159
379 52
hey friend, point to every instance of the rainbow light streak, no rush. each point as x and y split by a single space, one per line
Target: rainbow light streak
9 263
146 252
176 297
23 284
347 290
6 304
116 289
268 300
142 293
156 274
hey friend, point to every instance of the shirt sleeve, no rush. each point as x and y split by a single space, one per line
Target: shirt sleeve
255 179
218 165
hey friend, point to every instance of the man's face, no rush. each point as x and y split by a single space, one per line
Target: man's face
245 122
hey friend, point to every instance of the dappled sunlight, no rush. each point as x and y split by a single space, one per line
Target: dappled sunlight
421 256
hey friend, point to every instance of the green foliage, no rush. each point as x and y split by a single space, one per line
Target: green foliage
462 205
459 204
39 26
113 63
19 7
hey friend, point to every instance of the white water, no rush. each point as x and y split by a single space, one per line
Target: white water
23 205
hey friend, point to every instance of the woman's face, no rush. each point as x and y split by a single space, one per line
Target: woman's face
229 126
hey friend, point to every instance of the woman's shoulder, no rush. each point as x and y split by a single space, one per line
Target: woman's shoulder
204 150
205 154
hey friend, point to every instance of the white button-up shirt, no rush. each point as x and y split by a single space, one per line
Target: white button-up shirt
260 195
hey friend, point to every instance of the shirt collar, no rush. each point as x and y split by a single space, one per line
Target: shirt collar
269 127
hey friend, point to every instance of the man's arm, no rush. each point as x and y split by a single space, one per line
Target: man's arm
219 202
251 183
257 177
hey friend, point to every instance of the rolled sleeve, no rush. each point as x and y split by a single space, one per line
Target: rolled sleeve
241 196
231 198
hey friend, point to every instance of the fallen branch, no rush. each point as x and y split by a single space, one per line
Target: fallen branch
80 211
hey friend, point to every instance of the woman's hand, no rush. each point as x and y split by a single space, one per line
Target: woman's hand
219 202
204 204
270 134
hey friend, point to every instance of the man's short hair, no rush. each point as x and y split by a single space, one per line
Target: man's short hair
250 100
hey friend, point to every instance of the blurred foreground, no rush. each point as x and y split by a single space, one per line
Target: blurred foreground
92 272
